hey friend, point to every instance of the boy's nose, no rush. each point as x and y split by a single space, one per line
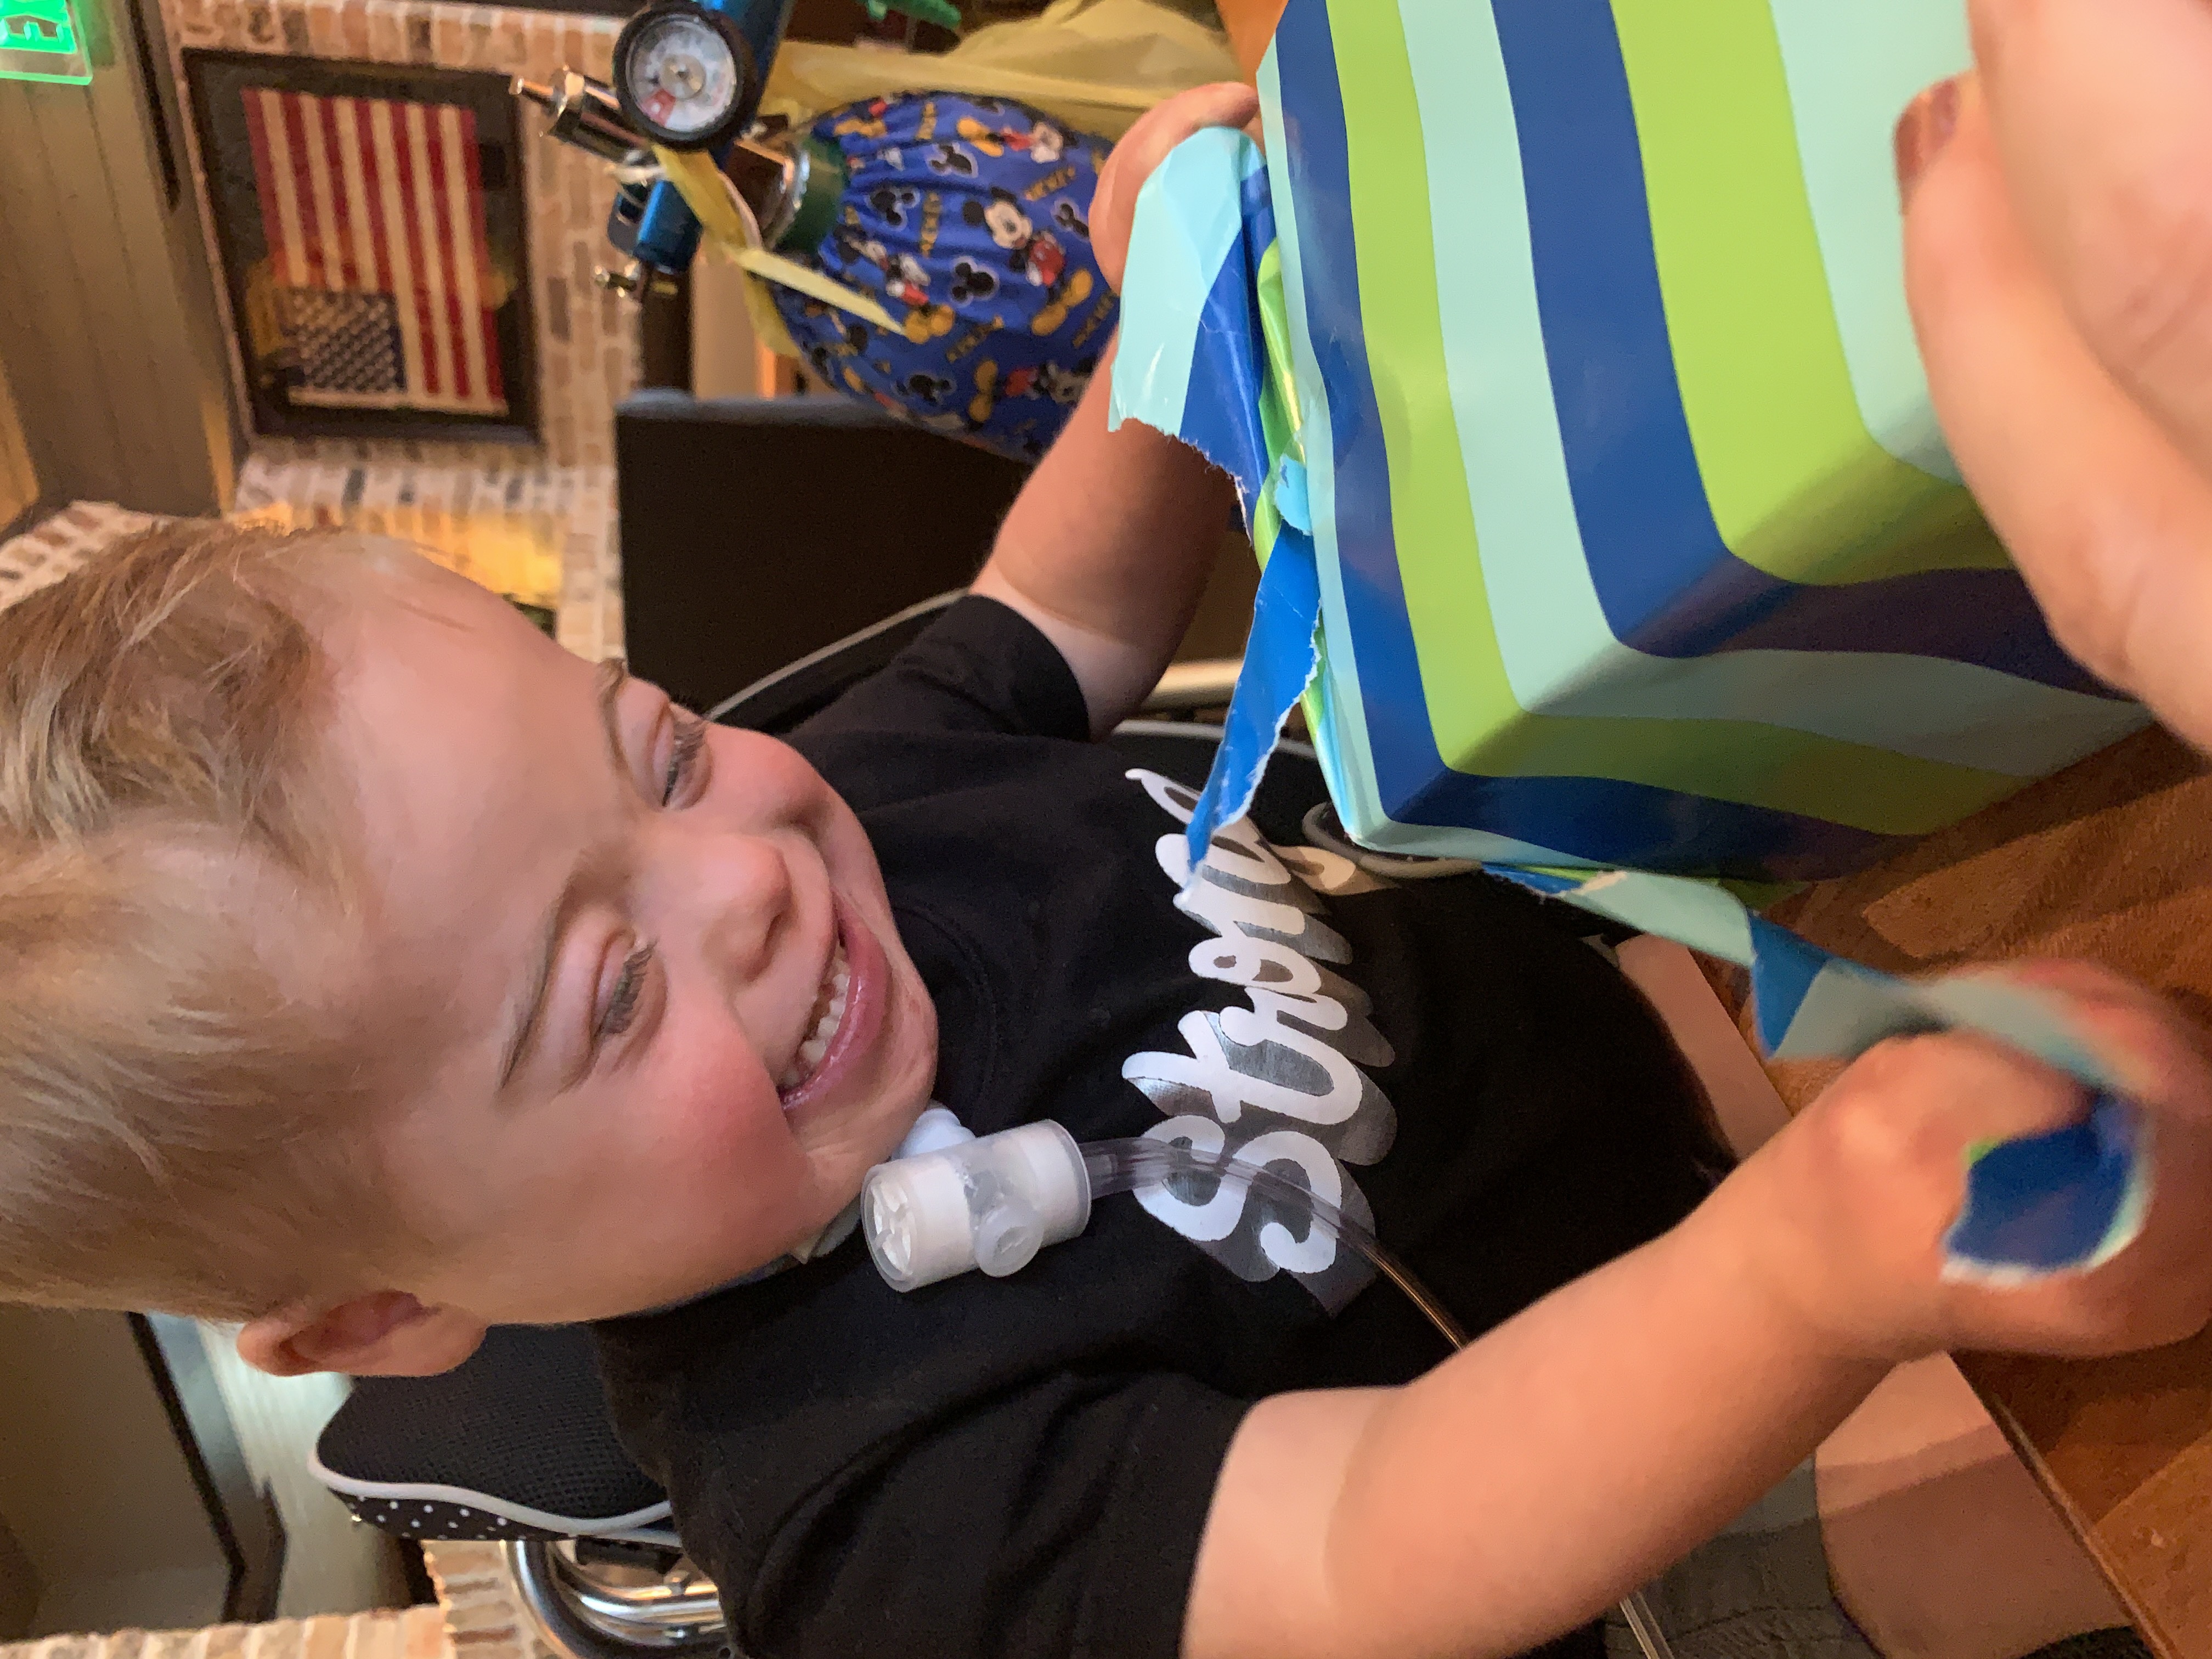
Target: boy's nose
741 888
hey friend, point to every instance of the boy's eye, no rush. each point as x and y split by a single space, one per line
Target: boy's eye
623 1000
689 738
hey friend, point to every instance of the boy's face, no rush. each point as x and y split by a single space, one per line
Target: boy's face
661 1020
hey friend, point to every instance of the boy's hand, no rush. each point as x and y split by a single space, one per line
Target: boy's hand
1159 130
1864 1185
1575 1450
1109 546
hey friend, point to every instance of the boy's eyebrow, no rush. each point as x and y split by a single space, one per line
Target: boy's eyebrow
613 674
533 1005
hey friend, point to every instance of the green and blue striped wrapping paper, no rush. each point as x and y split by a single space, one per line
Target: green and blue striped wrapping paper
1560 352
1636 542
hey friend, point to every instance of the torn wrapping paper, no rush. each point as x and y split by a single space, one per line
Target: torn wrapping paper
1213 272
2068 1200
1559 353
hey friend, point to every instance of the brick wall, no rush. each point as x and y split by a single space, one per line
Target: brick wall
587 341
412 1633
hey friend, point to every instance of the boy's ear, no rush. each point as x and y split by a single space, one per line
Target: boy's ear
389 1333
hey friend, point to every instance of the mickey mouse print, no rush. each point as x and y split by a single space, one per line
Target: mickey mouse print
970 219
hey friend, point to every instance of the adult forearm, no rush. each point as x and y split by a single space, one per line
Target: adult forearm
1108 547
1540 1475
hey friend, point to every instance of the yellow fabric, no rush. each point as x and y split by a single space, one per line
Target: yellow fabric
732 234
773 267
1093 66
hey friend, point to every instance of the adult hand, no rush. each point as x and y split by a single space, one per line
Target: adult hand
1146 145
2059 262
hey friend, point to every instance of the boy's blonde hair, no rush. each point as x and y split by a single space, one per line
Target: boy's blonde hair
179 1129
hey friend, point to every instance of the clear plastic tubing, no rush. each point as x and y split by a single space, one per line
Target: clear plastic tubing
957 1204
992 1204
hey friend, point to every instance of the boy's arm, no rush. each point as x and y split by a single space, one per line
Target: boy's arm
1107 550
1577 1451
1526 1485
1109 546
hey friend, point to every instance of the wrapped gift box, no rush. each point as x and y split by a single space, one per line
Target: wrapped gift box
1634 539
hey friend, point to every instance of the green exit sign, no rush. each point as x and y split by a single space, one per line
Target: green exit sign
40 40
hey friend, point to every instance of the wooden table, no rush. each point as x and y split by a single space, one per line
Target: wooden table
2111 861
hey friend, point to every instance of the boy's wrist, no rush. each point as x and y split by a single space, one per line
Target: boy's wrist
1831 1311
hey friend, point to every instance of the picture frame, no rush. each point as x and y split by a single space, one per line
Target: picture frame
371 223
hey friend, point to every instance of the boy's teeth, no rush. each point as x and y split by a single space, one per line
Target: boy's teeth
830 1013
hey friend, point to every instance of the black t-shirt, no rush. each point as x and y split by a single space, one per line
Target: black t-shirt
1021 1468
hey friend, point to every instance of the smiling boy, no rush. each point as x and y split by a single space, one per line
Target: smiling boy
627 926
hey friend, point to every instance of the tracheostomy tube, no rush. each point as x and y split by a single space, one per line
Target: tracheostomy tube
990 1204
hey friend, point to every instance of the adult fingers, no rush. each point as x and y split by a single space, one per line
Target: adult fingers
2101 119
2108 520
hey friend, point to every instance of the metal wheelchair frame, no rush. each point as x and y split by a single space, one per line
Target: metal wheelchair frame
579 1615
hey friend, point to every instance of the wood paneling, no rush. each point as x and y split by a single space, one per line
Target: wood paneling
93 1484
331 1565
19 481
19 1588
107 331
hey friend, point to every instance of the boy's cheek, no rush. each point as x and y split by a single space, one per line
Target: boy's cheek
845 844
717 1094
771 780
737 1169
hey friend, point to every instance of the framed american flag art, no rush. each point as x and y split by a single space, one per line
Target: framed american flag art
371 222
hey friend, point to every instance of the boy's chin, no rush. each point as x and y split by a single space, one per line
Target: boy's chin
843 1154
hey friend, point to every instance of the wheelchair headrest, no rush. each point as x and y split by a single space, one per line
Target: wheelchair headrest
515 1444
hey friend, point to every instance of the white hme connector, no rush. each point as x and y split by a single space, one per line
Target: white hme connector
966 1203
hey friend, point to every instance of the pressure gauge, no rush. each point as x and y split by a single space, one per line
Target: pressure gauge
685 75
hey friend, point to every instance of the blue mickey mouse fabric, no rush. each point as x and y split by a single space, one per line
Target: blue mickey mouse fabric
968 218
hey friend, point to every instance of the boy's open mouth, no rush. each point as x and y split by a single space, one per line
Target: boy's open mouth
850 1004
829 1014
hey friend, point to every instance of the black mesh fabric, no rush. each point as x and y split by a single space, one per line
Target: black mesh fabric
523 1423
432 1522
